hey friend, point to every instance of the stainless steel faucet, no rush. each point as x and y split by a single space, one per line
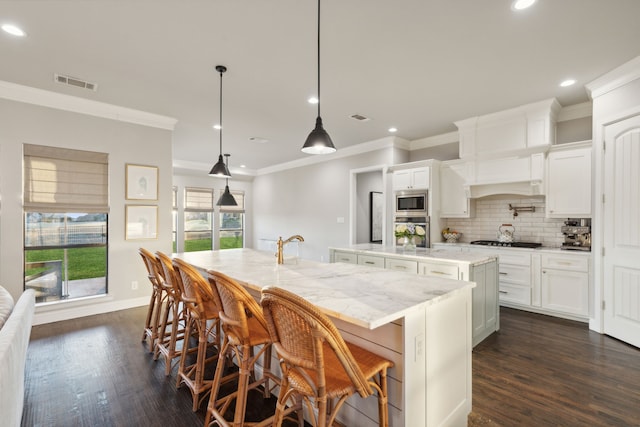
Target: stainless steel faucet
281 243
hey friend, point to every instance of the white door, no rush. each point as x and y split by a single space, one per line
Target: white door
622 230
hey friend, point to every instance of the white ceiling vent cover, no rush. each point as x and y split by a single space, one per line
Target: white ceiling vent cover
359 118
73 81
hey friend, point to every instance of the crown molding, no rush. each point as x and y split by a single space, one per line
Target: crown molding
387 142
434 141
615 78
59 101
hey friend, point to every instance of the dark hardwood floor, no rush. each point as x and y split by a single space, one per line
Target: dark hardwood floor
544 371
537 371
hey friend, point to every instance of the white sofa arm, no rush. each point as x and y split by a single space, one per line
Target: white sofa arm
14 341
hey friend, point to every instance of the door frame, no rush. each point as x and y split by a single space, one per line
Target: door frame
596 321
353 197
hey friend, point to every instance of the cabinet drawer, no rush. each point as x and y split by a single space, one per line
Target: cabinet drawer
516 294
438 270
347 257
514 258
371 261
401 265
566 262
514 274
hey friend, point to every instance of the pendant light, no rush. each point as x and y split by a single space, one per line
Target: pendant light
227 198
318 141
220 169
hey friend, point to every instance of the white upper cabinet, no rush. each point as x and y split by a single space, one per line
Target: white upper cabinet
569 181
526 127
411 179
454 194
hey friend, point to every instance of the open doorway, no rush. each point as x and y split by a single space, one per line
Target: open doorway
368 205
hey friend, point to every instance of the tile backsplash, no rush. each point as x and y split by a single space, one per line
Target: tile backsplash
491 212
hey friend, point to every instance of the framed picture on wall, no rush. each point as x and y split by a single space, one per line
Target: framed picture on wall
142 222
376 204
141 182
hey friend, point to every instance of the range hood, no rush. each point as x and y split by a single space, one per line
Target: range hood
523 188
521 175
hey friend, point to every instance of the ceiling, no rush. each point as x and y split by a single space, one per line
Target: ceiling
417 65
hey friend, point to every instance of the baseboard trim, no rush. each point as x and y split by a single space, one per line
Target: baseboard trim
87 307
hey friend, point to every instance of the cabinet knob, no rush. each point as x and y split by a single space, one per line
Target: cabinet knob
544 271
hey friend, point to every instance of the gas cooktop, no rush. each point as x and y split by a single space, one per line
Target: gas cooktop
507 244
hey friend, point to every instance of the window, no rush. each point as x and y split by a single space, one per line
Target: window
174 219
232 223
65 222
198 224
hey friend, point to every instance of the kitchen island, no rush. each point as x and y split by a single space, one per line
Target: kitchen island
481 268
421 323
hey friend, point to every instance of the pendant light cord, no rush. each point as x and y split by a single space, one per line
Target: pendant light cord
221 112
318 58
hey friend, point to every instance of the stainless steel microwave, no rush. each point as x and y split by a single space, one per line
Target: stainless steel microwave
411 203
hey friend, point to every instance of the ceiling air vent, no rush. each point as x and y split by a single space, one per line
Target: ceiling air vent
359 118
73 81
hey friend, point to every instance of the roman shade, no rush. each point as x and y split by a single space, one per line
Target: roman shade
198 199
65 180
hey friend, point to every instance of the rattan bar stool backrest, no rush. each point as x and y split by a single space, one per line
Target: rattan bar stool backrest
172 284
301 334
200 298
153 269
238 306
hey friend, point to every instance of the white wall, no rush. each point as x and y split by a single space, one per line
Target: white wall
126 143
309 200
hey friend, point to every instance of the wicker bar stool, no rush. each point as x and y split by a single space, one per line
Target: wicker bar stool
203 306
172 327
245 330
158 299
318 367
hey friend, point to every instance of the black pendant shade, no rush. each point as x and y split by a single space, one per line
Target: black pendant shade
227 198
220 169
318 141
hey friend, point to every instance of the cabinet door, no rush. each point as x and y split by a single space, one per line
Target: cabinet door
402 179
454 202
569 184
420 179
371 261
411 179
348 257
565 291
449 271
405 265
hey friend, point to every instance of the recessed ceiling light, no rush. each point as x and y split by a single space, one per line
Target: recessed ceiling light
392 130
312 100
218 127
13 30
258 140
522 4
567 82
243 166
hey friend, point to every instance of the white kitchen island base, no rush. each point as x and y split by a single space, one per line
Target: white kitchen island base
421 323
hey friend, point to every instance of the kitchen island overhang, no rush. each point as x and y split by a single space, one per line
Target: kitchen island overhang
421 323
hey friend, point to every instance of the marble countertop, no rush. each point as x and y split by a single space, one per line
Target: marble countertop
364 296
420 254
547 249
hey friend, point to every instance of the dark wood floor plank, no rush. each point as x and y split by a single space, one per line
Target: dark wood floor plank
536 371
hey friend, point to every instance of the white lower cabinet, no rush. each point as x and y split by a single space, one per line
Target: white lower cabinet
515 277
485 307
565 284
